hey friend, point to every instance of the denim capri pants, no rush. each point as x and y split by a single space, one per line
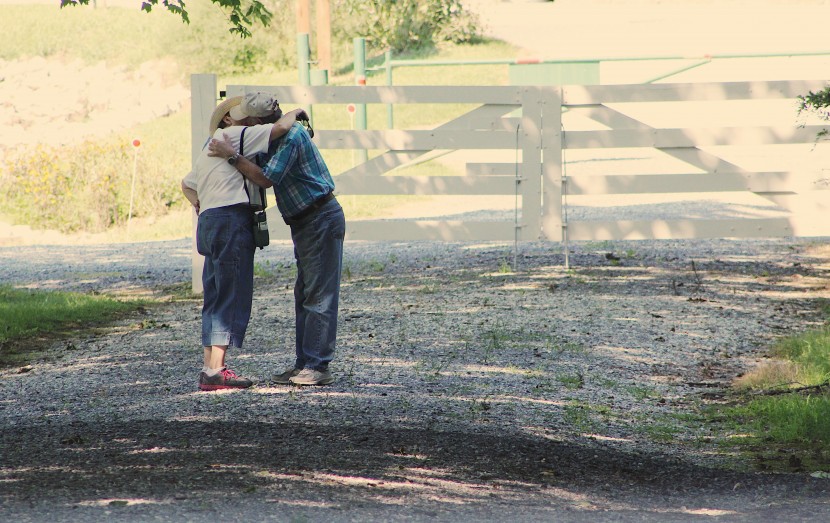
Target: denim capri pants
224 236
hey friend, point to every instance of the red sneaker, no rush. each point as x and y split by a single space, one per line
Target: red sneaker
224 379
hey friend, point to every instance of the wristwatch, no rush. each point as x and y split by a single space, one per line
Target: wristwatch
233 159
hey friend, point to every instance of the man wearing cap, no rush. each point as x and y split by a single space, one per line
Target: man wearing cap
304 190
224 234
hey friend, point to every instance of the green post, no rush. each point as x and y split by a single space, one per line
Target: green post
304 64
304 58
390 119
318 77
361 156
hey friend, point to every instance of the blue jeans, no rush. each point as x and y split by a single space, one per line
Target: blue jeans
318 249
225 238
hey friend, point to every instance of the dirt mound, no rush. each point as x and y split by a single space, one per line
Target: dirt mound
58 101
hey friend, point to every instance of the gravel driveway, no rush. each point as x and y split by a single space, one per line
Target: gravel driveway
465 392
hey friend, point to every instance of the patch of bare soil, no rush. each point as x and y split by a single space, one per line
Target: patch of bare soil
59 101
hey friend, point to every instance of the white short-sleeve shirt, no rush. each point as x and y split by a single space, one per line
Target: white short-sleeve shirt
216 182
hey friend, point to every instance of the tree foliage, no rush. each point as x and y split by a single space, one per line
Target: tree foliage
406 25
816 102
396 25
242 14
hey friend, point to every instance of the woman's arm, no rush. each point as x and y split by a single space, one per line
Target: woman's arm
191 196
250 170
224 148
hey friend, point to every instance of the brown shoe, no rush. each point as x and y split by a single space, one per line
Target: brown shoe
283 379
312 377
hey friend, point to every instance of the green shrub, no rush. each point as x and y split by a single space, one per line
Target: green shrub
85 187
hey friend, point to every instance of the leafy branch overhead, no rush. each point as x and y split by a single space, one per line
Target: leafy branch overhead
242 14
817 103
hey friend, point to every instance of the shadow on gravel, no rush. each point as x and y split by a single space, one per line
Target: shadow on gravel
368 468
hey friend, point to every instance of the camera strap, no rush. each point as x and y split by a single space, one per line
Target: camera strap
262 194
241 152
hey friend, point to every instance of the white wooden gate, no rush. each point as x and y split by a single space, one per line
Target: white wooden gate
730 149
541 128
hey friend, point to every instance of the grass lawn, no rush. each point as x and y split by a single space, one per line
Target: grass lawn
31 320
780 412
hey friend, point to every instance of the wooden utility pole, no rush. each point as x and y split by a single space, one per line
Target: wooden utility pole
304 16
324 35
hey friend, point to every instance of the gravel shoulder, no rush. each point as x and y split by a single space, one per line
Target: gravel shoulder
465 391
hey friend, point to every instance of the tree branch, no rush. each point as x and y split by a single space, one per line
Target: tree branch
807 388
242 14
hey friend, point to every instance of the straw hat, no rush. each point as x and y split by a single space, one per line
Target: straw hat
241 107
221 110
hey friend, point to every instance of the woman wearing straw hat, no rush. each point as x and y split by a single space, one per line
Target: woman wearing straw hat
224 234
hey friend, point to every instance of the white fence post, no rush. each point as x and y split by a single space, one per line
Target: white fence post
553 225
202 103
530 170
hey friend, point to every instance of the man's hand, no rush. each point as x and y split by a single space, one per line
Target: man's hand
300 114
221 148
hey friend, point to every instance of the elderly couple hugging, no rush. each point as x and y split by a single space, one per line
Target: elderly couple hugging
277 152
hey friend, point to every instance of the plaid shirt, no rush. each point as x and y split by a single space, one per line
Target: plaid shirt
297 171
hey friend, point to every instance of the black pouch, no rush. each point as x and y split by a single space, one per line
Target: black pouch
261 237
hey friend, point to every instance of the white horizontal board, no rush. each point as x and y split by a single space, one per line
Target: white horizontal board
420 185
680 229
490 116
429 230
500 124
691 137
680 183
361 94
492 169
577 231
607 116
702 160
407 140
380 164
573 95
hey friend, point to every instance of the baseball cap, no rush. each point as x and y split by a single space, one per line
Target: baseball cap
254 104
